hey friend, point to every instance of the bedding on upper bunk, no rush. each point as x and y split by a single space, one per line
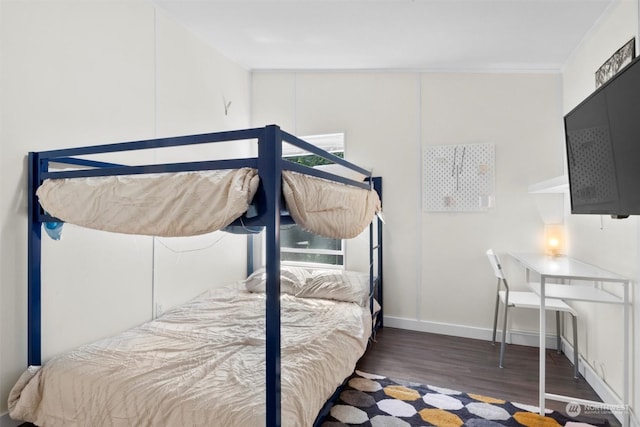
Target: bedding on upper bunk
191 203
202 364
167 205
326 208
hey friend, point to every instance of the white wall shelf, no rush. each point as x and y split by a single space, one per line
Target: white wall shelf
559 184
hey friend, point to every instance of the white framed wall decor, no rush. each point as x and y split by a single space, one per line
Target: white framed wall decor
458 178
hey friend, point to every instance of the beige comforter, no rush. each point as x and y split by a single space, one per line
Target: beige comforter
201 364
327 208
169 205
192 203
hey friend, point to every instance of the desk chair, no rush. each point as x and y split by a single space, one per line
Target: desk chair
528 300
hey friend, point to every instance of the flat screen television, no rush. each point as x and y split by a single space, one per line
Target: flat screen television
603 147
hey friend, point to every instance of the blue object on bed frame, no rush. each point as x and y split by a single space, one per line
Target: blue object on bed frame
270 166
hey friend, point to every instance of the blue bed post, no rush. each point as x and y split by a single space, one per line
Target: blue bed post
270 170
250 254
377 186
34 265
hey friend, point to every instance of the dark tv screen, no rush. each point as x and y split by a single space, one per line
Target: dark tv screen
603 147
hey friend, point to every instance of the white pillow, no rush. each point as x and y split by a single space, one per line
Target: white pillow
339 285
291 279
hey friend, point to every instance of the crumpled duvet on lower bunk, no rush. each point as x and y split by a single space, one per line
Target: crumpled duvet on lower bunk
201 364
326 208
176 204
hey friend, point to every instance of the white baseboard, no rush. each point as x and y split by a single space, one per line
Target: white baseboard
602 389
513 337
530 339
6 421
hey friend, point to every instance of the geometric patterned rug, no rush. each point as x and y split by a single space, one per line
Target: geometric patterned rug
377 401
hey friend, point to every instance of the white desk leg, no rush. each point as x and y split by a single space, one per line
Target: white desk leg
625 391
542 331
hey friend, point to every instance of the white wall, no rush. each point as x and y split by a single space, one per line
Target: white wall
83 73
612 244
68 79
379 114
193 86
520 114
436 274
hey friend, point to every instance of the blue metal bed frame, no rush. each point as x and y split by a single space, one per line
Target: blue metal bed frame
270 165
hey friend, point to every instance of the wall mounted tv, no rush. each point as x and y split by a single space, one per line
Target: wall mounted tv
603 147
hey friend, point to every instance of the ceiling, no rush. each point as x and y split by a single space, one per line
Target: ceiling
437 35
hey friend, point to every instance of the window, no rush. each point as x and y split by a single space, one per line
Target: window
301 247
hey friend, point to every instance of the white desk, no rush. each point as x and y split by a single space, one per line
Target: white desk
567 269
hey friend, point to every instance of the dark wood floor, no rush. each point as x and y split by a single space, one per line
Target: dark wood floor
470 365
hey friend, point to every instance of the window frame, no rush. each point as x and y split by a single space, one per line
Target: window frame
335 144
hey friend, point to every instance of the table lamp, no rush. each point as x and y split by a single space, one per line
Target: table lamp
553 239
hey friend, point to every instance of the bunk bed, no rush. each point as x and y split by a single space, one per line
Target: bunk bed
262 192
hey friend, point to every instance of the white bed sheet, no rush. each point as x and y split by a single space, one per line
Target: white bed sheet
201 364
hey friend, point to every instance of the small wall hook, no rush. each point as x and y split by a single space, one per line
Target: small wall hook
226 106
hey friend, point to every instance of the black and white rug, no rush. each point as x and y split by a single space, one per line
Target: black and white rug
377 401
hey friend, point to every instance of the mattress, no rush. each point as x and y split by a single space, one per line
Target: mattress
200 364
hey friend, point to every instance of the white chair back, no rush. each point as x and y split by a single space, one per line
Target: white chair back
495 264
